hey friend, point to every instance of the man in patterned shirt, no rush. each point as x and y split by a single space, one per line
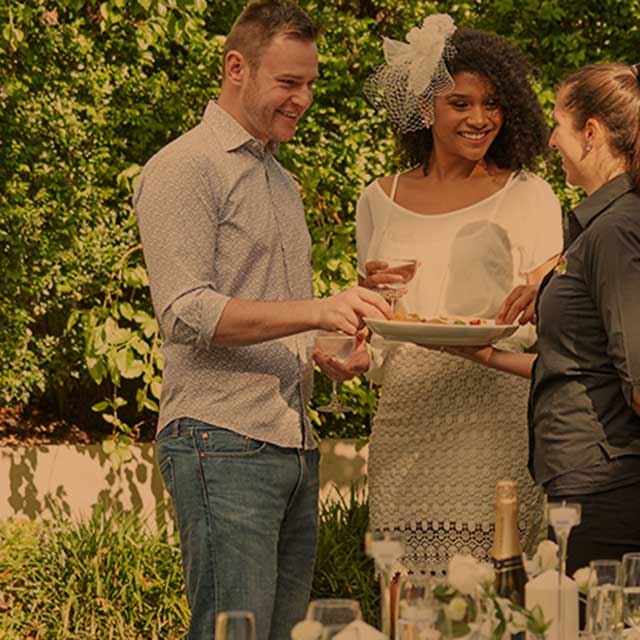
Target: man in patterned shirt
228 254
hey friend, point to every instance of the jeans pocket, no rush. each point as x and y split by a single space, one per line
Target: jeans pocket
168 477
218 442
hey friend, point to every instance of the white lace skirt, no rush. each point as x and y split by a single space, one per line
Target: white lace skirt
446 430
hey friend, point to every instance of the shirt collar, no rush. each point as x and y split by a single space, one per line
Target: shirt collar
231 134
601 198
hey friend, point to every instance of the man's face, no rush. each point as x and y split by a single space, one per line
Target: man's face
275 94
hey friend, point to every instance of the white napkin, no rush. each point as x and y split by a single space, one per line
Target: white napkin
359 630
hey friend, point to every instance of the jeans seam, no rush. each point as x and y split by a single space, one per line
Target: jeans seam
210 529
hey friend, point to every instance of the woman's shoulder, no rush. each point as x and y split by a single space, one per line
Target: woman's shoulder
378 188
527 180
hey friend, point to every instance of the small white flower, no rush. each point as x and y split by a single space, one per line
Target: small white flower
465 574
518 622
546 556
486 574
584 578
456 609
307 630
505 607
429 634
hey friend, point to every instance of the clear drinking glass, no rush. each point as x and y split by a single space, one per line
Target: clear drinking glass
340 347
631 589
235 625
605 600
416 608
393 291
334 614
604 612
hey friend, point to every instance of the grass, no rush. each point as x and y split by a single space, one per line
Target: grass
109 578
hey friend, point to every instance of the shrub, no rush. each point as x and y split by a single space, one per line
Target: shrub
89 91
109 577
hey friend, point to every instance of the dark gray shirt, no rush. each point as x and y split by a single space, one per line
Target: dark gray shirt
219 217
589 344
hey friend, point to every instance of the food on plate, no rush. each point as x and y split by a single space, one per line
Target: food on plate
460 320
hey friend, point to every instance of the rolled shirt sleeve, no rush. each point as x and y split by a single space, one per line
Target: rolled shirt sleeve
178 228
614 276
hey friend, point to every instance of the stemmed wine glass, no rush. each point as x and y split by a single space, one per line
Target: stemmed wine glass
340 347
385 547
235 625
563 516
334 614
631 589
393 291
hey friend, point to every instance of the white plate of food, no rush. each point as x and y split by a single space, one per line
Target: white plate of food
442 331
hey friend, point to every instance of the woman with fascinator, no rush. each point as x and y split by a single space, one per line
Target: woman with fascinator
479 222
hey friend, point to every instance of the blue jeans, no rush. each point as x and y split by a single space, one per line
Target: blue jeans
247 513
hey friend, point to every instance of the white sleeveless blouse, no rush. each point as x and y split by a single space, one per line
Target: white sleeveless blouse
447 429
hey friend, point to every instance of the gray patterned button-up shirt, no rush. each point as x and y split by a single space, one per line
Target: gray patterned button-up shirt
219 218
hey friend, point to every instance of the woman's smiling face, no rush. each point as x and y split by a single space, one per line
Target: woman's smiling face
467 120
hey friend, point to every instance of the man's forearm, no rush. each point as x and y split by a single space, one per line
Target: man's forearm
245 322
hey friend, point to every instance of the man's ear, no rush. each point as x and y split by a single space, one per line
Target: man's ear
235 67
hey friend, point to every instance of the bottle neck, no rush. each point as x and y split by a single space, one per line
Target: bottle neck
506 541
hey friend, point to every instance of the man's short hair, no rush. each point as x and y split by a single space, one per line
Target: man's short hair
263 20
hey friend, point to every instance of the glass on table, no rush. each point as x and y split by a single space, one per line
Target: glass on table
235 625
416 608
334 614
605 600
604 612
386 548
405 268
338 346
631 589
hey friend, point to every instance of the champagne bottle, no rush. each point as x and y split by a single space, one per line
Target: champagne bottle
507 554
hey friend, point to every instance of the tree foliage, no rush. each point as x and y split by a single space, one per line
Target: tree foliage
89 91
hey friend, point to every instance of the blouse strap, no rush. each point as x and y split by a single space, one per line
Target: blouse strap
394 187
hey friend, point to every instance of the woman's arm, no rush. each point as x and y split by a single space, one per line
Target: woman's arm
519 364
635 402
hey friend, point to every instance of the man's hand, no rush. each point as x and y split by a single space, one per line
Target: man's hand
520 302
344 311
357 363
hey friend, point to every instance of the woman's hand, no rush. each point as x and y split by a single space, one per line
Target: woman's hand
357 363
520 302
379 275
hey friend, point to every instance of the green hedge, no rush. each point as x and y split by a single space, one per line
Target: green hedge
89 91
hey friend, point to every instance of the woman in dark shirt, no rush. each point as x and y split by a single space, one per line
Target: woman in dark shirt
584 407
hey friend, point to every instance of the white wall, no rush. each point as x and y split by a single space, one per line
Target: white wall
34 481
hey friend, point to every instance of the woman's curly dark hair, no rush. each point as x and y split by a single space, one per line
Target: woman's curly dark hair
524 133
